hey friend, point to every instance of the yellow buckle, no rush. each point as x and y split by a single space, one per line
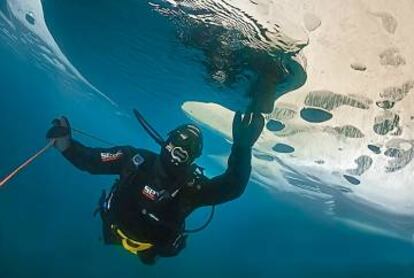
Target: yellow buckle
131 245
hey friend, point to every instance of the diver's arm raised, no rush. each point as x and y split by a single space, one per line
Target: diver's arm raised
93 160
104 161
228 186
232 183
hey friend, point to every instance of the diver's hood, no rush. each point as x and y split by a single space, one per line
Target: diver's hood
183 146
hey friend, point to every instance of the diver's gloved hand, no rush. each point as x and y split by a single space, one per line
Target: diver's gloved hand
61 133
247 128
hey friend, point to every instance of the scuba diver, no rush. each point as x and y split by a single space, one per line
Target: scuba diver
146 208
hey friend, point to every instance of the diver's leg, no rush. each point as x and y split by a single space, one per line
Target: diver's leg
174 247
148 257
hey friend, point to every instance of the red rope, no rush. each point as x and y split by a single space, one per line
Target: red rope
26 163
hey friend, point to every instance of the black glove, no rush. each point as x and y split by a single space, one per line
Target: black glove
61 133
247 129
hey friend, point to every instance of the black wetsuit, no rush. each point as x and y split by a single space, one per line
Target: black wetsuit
137 202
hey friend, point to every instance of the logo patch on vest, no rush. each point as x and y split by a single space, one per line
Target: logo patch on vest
107 157
137 160
150 193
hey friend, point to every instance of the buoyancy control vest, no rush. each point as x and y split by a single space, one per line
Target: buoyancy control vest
143 210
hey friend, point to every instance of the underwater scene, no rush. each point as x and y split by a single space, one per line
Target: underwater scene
209 138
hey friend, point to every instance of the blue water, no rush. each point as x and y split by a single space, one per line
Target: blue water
283 148
273 125
315 115
131 54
